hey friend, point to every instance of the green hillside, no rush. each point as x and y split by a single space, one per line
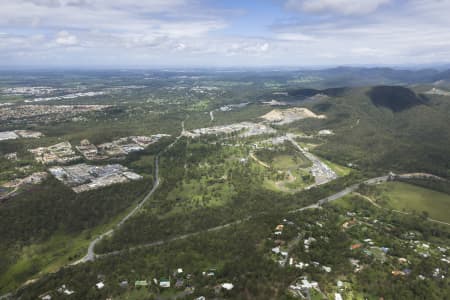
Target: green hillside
411 198
377 139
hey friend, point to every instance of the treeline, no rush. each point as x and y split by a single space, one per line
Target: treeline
159 221
34 216
234 253
430 183
239 254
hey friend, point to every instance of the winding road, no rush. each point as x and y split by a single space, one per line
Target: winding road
318 204
90 255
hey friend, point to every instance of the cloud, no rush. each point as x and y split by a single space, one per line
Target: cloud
366 51
187 32
294 36
345 7
246 48
64 38
153 5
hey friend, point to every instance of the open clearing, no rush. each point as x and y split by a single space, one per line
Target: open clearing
401 196
286 116
288 162
291 169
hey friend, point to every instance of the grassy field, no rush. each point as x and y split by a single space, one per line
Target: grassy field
42 258
287 162
403 196
290 171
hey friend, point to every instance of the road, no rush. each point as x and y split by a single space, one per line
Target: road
320 202
252 155
321 172
177 238
90 255
342 193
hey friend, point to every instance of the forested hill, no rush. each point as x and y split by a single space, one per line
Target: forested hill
395 98
385 128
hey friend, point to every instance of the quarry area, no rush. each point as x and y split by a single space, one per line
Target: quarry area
84 177
286 116
249 128
16 134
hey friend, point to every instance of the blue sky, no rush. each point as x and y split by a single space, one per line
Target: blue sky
210 33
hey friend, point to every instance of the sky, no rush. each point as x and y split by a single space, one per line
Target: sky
223 33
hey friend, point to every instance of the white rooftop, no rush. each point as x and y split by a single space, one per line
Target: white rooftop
227 286
100 285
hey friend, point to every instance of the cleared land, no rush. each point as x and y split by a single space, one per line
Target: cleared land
284 161
403 196
291 169
286 116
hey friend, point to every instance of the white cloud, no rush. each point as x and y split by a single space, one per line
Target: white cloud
64 38
366 51
264 47
189 32
346 7
180 47
246 48
152 5
294 36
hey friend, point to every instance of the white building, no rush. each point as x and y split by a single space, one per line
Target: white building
227 286
100 285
